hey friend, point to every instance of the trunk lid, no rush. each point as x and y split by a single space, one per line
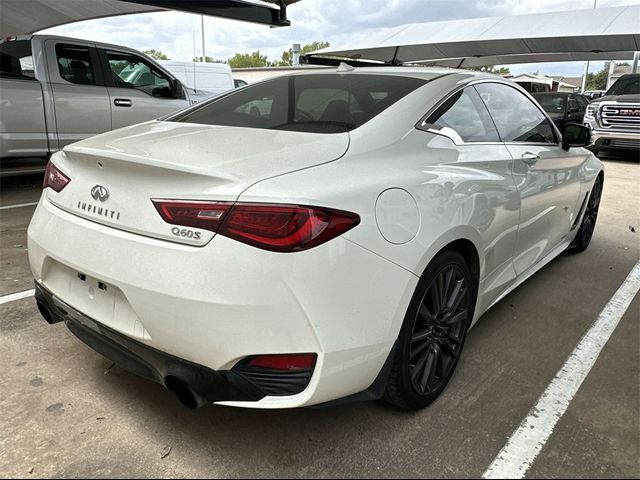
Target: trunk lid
167 160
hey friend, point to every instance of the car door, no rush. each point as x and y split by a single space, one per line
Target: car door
546 176
485 184
80 98
138 90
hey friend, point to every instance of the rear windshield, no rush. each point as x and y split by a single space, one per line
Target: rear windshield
626 86
306 103
552 103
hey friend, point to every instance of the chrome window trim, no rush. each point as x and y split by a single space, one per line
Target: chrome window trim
426 127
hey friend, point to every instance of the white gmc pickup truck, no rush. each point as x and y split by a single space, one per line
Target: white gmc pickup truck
614 119
55 91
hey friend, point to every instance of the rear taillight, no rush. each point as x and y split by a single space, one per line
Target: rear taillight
54 178
274 227
204 215
285 228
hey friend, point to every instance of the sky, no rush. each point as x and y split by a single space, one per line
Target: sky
337 21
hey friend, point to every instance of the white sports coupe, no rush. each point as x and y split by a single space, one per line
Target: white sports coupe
311 239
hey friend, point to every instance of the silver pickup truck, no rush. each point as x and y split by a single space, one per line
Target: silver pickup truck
55 91
614 119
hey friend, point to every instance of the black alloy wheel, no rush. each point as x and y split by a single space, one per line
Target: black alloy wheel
438 330
434 332
589 218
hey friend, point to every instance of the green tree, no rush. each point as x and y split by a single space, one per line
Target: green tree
207 59
598 80
492 69
156 54
286 59
248 60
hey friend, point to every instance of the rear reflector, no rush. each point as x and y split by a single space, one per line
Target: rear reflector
54 178
298 361
278 375
274 227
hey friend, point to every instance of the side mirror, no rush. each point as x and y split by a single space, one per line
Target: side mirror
576 135
176 89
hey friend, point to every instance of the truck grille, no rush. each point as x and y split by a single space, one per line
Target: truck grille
621 116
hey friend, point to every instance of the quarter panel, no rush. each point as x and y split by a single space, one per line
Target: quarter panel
462 192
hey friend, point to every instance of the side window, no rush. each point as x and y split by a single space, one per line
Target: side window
74 64
466 115
582 103
131 71
516 117
16 60
573 106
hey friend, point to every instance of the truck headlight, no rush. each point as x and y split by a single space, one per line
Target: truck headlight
591 111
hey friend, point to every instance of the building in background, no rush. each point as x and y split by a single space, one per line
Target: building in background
618 71
541 83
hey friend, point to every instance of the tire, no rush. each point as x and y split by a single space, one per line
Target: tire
433 332
589 218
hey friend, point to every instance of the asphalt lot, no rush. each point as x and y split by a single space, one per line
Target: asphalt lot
63 413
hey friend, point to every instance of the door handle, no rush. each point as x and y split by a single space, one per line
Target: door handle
122 102
530 158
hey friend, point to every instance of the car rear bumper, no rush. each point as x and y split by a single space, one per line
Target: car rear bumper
215 305
205 384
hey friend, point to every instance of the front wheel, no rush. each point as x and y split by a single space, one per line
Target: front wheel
433 332
588 225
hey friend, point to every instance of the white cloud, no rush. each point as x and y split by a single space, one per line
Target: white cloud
175 33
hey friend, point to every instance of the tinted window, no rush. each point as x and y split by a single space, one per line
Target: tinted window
573 105
582 102
15 59
551 103
310 103
467 116
627 85
74 64
516 117
131 71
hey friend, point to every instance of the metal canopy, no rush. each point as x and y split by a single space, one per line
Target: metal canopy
596 34
18 17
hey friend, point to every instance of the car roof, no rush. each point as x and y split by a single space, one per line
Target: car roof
426 73
554 93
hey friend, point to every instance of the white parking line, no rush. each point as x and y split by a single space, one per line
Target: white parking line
517 456
7 207
16 296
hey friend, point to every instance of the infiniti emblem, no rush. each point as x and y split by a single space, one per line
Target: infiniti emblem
100 192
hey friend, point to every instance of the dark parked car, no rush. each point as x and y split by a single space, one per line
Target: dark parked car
563 107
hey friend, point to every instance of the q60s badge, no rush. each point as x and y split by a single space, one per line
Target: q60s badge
185 233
